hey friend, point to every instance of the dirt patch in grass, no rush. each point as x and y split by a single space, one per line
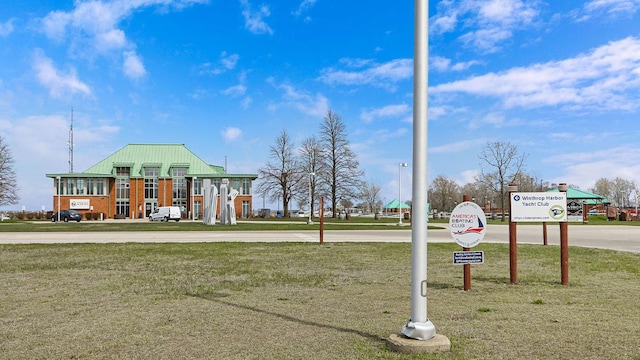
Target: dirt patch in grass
293 301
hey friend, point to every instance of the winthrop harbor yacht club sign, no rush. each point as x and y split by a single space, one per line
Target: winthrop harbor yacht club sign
538 207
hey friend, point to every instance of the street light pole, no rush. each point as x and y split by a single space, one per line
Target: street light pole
309 222
400 166
193 201
58 178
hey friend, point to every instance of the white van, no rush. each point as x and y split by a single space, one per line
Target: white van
165 213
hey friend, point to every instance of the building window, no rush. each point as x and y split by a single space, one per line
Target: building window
236 184
99 186
179 188
123 171
122 189
216 183
178 172
80 186
151 188
197 208
122 207
70 186
246 187
151 183
90 189
246 209
197 186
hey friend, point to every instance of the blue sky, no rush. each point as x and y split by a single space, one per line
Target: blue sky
559 79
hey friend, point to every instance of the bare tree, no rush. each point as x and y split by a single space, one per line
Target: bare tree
340 175
617 191
280 178
477 191
504 164
444 193
370 194
310 164
623 188
8 184
603 187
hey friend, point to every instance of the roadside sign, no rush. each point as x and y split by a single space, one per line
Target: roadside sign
538 207
467 224
468 257
574 211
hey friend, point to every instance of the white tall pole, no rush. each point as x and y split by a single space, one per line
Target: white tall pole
309 222
193 200
400 166
58 178
419 327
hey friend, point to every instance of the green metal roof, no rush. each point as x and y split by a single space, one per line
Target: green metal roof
394 205
163 156
582 195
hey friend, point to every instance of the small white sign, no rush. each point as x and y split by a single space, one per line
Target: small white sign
538 207
467 224
79 204
468 257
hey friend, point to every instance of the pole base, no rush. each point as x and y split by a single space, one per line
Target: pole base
402 344
419 331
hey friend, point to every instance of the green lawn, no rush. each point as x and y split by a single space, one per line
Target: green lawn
308 301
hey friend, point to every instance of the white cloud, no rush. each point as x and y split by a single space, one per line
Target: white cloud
246 102
92 28
236 90
399 110
443 64
370 73
231 134
253 20
132 66
606 78
39 152
486 40
59 84
314 105
305 5
491 22
6 28
225 63
613 8
457 146
584 169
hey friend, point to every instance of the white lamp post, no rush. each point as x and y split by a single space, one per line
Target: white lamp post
400 166
58 178
193 201
310 222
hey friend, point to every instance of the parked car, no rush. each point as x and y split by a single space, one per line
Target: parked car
4 217
165 213
66 215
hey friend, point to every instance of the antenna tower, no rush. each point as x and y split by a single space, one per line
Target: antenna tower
71 144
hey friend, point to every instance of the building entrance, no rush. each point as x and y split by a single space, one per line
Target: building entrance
149 207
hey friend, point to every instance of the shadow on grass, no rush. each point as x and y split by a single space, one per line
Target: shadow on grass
445 286
217 298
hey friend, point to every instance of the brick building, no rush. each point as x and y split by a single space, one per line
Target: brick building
136 179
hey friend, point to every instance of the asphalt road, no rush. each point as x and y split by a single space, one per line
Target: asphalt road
614 237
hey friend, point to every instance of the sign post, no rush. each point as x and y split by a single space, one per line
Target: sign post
541 207
467 226
564 243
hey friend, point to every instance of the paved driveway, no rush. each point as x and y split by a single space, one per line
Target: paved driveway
615 237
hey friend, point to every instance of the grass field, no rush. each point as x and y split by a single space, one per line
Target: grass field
308 301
